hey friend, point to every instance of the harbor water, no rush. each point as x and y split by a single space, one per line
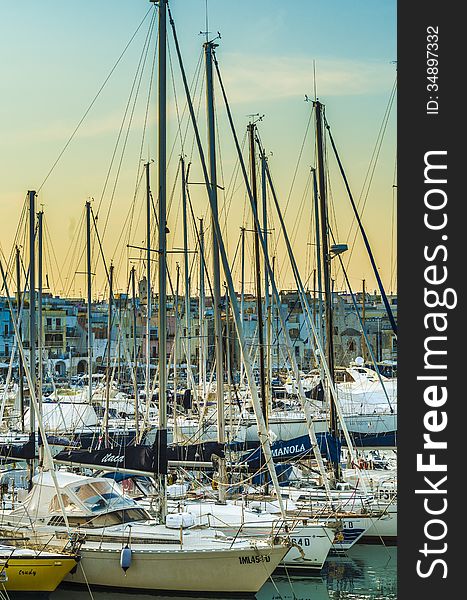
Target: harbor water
366 572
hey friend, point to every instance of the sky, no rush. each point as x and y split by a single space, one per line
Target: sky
56 56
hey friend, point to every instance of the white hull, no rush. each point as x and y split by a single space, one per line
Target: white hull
224 571
311 545
385 528
312 540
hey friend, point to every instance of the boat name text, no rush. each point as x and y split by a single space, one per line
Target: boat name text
254 560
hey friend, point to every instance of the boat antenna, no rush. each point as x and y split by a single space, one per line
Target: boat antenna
314 79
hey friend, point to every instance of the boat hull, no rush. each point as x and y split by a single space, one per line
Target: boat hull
233 571
310 545
35 573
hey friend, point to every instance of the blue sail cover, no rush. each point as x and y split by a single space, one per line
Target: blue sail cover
297 448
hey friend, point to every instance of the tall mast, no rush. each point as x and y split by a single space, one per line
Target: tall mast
202 328
20 362
109 347
162 166
227 357
175 356
259 303
363 320
40 335
267 302
149 293
187 276
135 355
326 259
242 296
89 290
318 257
208 50
32 318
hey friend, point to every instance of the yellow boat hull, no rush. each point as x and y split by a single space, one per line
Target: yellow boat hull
34 574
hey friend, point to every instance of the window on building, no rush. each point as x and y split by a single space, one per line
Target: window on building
58 322
5 329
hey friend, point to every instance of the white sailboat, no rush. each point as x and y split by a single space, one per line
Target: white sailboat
122 546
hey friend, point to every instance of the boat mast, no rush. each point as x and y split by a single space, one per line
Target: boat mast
20 362
40 340
208 50
175 357
32 324
267 300
363 322
259 304
242 297
326 261
318 309
109 345
188 329
162 166
148 294
89 283
202 328
135 355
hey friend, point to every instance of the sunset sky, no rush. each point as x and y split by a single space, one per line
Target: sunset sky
57 54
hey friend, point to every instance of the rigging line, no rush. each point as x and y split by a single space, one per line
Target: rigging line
197 119
93 101
225 209
76 258
232 266
172 194
76 232
20 227
297 223
140 170
328 182
203 258
372 167
362 230
194 84
54 256
126 226
367 341
380 135
296 167
136 82
70 275
179 123
393 224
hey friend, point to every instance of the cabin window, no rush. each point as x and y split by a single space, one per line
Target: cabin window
119 517
100 495
69 505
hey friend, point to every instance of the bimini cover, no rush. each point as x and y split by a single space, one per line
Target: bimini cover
61 416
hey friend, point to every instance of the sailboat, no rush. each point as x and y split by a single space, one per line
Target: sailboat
122 546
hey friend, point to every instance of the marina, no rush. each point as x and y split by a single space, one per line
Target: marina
183 416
